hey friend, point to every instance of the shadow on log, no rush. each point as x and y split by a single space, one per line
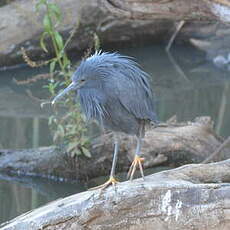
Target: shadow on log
193 197
174 145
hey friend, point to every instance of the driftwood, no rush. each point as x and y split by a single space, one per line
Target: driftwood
218 150
194 196
115 21
216 46
174 145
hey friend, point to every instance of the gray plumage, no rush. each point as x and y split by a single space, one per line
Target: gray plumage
115 91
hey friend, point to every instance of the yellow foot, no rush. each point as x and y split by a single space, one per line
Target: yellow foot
111 180
137 162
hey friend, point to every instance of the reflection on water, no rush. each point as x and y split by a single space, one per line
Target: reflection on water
184 84
23 124
19 195
24 132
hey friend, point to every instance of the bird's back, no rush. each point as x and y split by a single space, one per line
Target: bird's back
130 85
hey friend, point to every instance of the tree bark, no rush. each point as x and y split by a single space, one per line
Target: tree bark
177 144
115 21
190 197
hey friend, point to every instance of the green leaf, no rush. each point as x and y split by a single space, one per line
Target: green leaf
39 4
78 153
72 146
56 136
84 140
52 66
86 152
61 130
72 132
55 10
73 154
66 61
42 43
59 40
51 120
47 23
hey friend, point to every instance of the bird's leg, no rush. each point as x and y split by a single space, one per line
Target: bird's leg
137 162
112 179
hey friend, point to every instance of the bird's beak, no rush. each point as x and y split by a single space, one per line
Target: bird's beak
72 86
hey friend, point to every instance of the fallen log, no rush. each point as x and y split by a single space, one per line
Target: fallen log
194 196
173 145
115 21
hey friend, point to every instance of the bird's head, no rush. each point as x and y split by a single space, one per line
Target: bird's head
87 75
97 69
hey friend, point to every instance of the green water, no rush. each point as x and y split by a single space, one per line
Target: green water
185 85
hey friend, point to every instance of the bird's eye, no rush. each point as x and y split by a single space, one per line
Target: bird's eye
82 80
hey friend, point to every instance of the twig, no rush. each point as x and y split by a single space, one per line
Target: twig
176 66
33 79
29 93
178 28
207 160
33 63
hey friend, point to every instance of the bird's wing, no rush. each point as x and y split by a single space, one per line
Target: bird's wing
135 95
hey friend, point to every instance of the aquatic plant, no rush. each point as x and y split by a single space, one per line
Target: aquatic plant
70 129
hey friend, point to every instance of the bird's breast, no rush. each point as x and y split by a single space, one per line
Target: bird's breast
92 103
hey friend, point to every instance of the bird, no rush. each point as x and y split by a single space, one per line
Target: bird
115 91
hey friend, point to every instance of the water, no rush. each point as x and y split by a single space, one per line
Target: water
19 195
184 84
23 123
